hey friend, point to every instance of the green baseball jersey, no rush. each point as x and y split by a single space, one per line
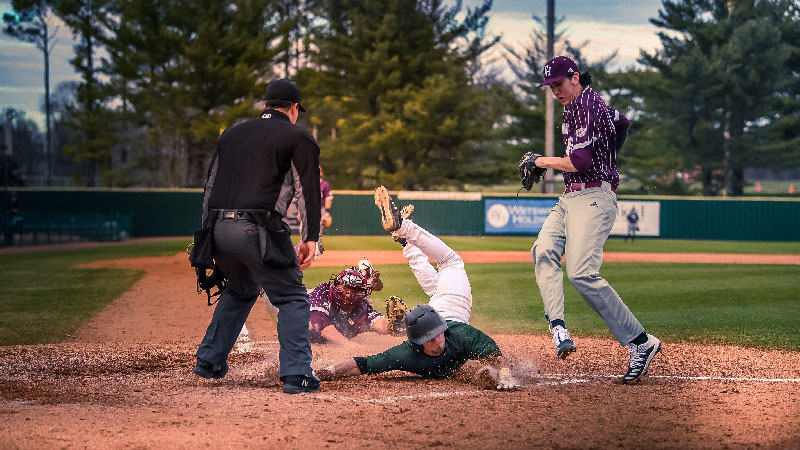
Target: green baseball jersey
462 343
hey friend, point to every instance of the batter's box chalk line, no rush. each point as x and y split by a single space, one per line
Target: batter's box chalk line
555 379
674 377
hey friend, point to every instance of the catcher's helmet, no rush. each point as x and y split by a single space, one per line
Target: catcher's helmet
359 287
423 323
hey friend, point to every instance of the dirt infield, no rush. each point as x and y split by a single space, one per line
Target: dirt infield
124 381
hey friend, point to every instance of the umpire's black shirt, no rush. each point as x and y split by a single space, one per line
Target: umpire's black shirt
263 164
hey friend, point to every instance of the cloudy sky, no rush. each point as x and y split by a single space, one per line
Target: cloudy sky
621 25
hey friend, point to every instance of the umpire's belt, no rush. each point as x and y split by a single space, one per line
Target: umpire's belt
255 215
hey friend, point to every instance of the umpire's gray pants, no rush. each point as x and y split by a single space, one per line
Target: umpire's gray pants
579 225
236 251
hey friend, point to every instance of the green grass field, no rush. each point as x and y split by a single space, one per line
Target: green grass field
751 305
524 243
46 297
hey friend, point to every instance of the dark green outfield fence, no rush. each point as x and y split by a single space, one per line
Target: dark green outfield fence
177 213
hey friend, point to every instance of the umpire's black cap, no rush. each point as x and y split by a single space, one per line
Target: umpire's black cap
284 90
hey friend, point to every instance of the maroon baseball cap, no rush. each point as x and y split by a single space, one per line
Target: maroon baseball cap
558 68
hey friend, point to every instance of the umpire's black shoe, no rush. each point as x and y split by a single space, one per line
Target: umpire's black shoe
207 370
296 384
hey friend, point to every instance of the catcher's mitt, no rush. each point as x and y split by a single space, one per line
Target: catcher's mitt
396 316
528 172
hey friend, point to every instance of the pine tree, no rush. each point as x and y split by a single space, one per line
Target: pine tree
31 22
186 70
396 84
94 135
721 68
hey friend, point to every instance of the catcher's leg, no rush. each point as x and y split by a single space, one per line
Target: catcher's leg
588 228
452 297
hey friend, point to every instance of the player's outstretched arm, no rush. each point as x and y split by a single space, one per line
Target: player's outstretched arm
346 368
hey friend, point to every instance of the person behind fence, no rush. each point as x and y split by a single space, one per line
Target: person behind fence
253 174
633 224
326 202
12 218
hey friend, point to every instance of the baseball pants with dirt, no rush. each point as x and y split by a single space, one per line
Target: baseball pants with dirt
448 288
578 227
237 252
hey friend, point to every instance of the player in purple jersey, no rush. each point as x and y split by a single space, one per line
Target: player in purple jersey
581 221
340 309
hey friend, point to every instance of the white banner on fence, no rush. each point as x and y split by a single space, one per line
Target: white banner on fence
649 214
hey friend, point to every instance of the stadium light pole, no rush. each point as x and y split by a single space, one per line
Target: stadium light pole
547 186
6 155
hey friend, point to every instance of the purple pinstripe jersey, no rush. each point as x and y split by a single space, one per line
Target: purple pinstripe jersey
325 313
590 139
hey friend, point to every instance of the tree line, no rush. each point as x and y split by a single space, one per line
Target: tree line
403 92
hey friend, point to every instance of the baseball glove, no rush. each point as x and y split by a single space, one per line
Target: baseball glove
396 316
528 172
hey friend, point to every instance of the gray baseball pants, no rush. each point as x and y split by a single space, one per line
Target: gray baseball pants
578 227
237 252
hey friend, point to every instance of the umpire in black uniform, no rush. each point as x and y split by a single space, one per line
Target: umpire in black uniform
258 167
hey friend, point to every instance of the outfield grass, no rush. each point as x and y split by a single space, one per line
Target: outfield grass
45 298
524 243
749 305
753 305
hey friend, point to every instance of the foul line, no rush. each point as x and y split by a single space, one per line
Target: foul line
676 377
572 378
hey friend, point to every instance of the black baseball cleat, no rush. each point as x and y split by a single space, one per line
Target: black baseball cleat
640 358
390 213
207 370
296 384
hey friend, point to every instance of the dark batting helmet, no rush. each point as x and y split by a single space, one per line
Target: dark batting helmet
423 323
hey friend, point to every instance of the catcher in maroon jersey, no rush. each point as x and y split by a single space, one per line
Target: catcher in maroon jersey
340 309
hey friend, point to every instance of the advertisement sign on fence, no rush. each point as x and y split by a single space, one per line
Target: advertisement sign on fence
525 215
649 215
